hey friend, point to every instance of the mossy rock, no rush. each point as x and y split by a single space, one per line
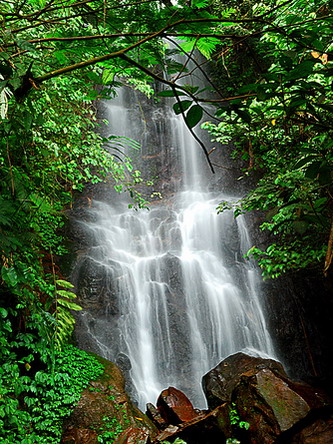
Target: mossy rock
104 410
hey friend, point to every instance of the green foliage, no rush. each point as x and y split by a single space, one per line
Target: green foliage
281 126
34 402
57 58
65 321
111 430
112 426
50 147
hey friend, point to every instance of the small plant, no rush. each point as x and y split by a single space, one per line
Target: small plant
112 428
235 419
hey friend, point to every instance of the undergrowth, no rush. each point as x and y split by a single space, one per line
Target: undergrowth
33 407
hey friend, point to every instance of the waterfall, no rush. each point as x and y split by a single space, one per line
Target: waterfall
175 295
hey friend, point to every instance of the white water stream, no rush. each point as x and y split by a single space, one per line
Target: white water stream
185 297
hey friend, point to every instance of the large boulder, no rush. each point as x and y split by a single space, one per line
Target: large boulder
320 431
275 408
219 383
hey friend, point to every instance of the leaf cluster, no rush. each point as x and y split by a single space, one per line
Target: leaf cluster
35 401
282 126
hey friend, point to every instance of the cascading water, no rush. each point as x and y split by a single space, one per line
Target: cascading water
177 295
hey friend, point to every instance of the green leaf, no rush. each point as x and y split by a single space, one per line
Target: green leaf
326 107
194 115
66 294
3 312
9 276
313 170
182 106
108 76
63 283
305 161
68 304
170 93
302 70
244 115
199 3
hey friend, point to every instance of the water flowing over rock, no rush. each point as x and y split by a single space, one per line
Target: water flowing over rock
168 289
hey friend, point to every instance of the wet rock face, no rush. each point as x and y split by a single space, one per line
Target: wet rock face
300 320
218 384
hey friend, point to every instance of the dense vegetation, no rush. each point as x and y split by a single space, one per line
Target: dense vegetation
274 62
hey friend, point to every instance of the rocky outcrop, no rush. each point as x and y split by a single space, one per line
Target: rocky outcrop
106 410
252 400
275 408
257 404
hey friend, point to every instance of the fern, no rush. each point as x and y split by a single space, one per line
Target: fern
65 321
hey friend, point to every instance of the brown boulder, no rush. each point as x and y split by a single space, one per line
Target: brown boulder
78 436
273 405
175 407
219 383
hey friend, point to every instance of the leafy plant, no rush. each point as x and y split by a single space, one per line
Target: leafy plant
280 125
33 405
235 419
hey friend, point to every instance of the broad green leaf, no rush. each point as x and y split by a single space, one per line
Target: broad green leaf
9 276
313 170
305 161
302 70
3 312
108 76
199 3
182 106
170 93
194 115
